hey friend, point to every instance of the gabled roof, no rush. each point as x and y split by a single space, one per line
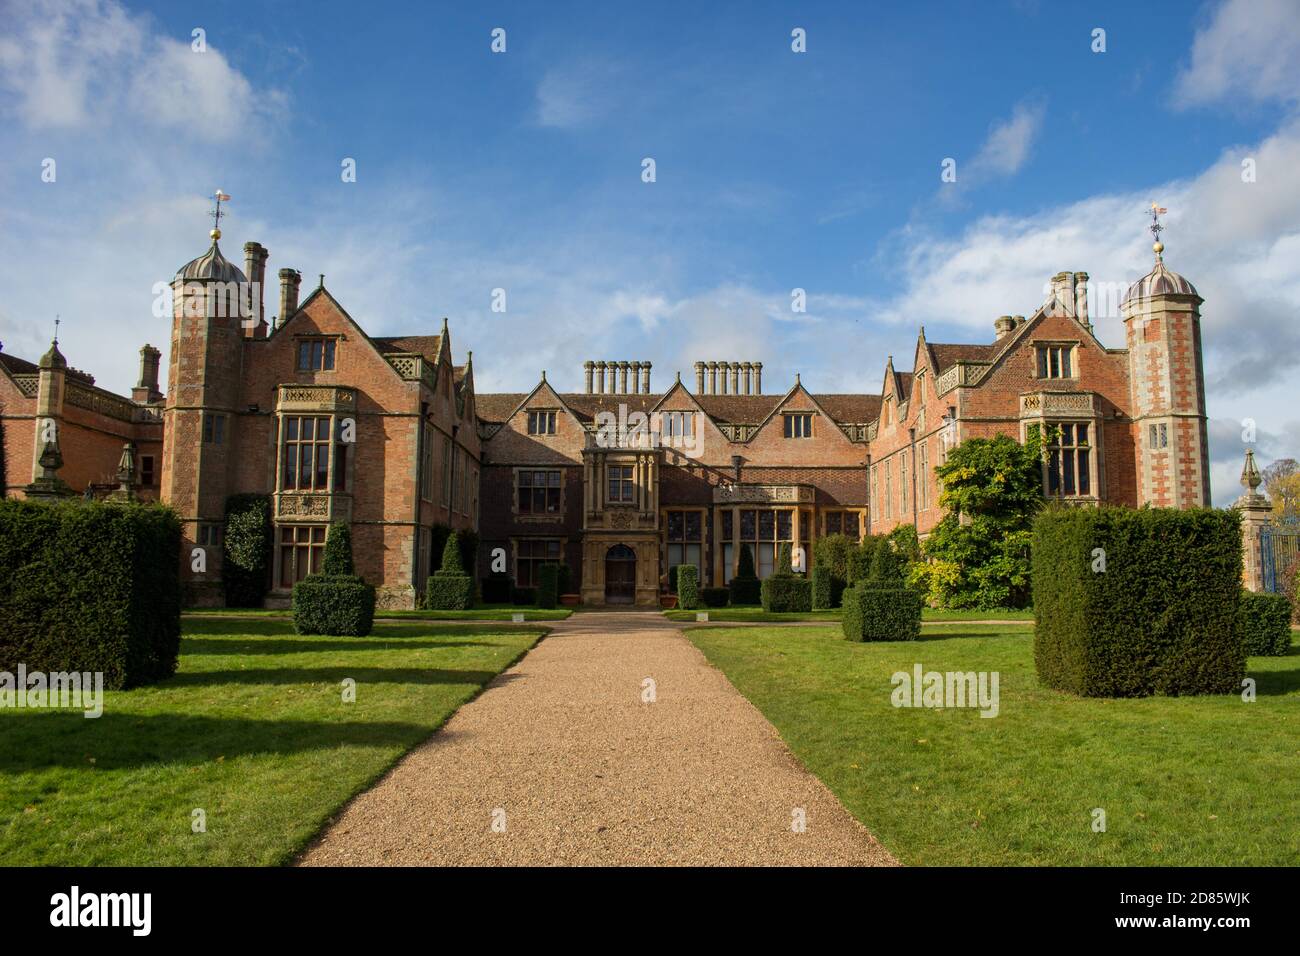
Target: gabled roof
739 409
946 355
586 406
850 409
425 345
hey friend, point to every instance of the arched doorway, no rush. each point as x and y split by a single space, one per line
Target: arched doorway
620 575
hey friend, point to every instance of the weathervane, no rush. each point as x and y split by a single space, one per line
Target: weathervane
56 328
216 215
1157 211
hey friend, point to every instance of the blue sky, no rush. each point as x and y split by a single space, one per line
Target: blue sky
775 170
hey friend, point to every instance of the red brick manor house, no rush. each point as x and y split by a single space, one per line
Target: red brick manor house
619 481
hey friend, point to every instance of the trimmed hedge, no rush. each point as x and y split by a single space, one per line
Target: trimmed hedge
745 586
688 587
246 550
1264 624
451 588
881 614
1161 618
548 585
336 604
496 588
827 589
90 587
786 593
715 597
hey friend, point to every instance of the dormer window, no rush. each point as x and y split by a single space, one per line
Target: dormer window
1056 361
798 425
541 423
316 355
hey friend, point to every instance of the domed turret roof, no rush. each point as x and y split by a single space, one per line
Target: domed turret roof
212 265
1159 281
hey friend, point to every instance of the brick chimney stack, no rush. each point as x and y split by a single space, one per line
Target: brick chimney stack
1003 326
699 378
1081 298
587 367
713 377
758 378
146 389
645 377
290 279
255 256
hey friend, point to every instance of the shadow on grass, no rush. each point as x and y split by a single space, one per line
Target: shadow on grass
308 645
327 675
122 741
1275 683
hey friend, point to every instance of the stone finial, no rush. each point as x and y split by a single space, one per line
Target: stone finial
1250 476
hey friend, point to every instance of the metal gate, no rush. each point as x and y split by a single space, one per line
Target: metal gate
1279 549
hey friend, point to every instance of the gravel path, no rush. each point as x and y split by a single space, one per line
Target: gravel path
563 750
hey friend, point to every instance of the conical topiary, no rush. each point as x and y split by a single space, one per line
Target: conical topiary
783 560
451 557
338 550
746 569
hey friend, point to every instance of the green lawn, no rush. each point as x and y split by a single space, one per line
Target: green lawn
252 729
488 612
1187 781
759 615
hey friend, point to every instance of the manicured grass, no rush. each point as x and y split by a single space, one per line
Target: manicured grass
1183 781
754 614
758 614
252 729
489 612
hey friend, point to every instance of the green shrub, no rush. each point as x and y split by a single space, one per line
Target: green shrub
831 552
881 614
338 550
335 604
786 593
1264 624
827 590
715 597
246 550
784 560
745 586
548 584
672 578
450 588
688 587
886 566
496 588
857 563
90 587
1159 616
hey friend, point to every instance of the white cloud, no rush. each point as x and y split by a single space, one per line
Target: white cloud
1249 49
1009 142
90 64
574 95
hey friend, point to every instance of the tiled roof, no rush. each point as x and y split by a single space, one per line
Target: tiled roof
948 355
850 409
426 345
20 366
1159 281
496 407
738 409
586 407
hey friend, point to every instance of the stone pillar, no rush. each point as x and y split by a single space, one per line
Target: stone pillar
1256 512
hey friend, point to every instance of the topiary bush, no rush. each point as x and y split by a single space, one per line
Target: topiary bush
745 586
786 592
548 584
887 566
246 550
881 614
857 563
451 588
1264 624
90 587
715 597
832 555
784 560
339 605
688 587
1129 603
338 550
468 540
336 601
827 590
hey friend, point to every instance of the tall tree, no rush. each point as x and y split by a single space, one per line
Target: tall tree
979 552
